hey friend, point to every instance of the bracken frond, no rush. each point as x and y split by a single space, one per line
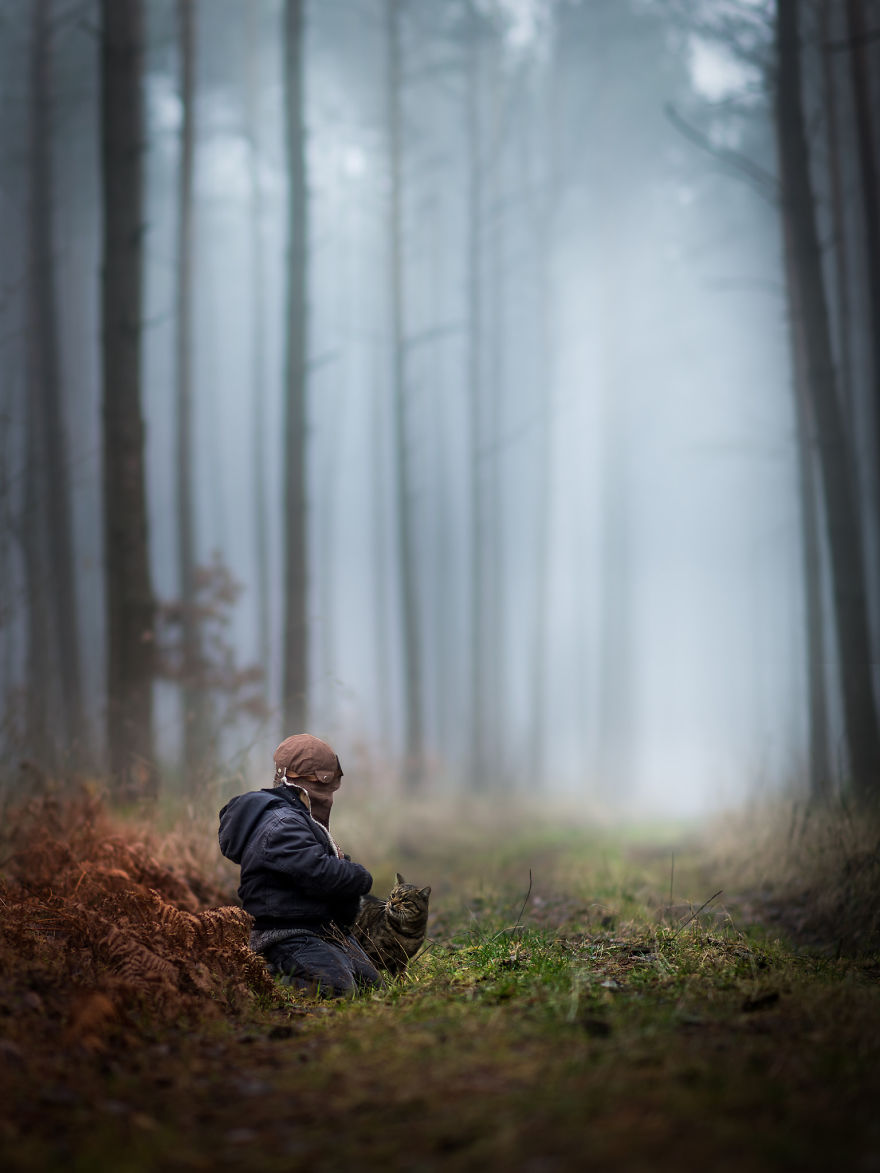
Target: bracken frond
95 918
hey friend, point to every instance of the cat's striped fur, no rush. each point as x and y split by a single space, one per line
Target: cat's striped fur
392 931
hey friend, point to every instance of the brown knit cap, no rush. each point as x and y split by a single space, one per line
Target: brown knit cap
307 757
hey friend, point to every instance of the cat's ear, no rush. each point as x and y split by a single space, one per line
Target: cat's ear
426 892
399 878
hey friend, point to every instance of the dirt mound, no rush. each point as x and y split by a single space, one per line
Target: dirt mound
97 934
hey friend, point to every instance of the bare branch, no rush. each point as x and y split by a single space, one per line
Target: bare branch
761 180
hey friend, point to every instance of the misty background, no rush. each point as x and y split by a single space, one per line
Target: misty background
544 272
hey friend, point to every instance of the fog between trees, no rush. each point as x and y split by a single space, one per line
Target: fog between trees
515 358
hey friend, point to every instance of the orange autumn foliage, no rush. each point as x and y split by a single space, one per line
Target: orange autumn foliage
96 932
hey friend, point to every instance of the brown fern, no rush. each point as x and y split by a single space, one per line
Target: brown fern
94 918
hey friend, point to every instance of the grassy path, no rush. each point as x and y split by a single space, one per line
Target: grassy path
603 1030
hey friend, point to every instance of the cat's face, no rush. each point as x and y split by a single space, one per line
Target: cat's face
407 902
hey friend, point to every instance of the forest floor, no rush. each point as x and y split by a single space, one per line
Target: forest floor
575 1005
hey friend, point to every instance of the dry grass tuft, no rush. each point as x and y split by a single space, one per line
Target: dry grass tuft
815 872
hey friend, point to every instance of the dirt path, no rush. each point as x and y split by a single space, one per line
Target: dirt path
604 1030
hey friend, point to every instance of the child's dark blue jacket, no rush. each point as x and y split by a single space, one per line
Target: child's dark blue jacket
291 876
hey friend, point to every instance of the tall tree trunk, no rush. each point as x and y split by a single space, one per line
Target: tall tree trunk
447 658
39 737
870 185
543 466
295 641
545 395
10 631
838 218
128 592
820 758
841 511
412 669
258 334
381 542
615 732
615 720
474 271
41 368
496 677
54 662
195 708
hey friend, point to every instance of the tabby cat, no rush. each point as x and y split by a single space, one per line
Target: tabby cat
392 931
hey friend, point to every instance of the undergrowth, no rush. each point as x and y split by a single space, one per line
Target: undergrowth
96 932
584 991
813 871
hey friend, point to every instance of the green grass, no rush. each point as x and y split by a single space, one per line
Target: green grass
597 1024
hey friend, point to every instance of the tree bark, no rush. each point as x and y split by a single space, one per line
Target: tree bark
474 269
42 367
841 267
294 690
38 734
545 232
543 465
496 585
412 669
128 592
54 686
382 541
817 712
870 185
616 733
841 508
258 336
194 699
616 686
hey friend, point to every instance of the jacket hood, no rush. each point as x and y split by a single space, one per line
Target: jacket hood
239 818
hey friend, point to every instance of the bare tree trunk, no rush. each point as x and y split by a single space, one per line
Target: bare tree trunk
295 642
870 184
412 669
42 366
195 706
544 215
543 465
474 391
495 679
841 510
820 758
844 348
10 631
38 733
380 545
54 660
129 597
615 731
447 658
258 334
